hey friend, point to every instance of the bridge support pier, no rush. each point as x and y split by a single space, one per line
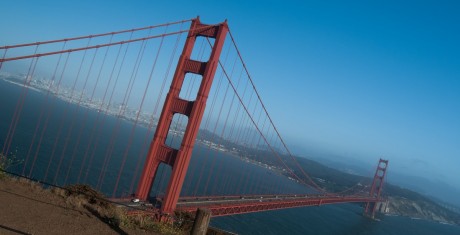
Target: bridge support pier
201 224
376 188
159 151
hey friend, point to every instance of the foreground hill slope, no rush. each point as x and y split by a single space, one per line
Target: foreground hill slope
27 208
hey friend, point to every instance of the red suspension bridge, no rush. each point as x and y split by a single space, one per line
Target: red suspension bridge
87 110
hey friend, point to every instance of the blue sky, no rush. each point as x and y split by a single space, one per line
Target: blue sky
358 80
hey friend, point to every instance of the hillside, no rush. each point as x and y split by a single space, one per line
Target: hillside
402 201
27 208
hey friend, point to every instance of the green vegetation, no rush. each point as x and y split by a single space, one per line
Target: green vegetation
89 201
84 197
7 162
3 165
147 223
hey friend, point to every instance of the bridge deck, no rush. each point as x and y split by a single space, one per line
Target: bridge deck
221 206
232 205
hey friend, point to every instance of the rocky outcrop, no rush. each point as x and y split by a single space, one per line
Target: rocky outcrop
419 209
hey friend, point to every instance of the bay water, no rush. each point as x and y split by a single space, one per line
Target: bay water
329 219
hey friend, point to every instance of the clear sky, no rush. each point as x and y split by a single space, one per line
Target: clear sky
361 80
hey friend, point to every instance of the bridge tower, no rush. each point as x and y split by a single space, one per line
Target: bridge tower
376 188
159 152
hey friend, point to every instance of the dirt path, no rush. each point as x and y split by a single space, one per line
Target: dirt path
26 208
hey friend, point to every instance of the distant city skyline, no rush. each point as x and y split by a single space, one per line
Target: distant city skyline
360 80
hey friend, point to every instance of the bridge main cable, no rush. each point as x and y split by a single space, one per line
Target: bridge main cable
102 45
94 35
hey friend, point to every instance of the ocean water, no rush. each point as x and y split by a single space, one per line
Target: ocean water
329 219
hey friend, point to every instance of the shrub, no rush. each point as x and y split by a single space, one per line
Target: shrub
7 162
3 165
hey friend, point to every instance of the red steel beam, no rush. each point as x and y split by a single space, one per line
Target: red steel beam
250 207
376 188
159 151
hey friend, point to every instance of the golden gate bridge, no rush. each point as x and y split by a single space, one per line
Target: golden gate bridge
106 118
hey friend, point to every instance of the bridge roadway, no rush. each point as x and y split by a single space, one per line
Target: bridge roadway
232 205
